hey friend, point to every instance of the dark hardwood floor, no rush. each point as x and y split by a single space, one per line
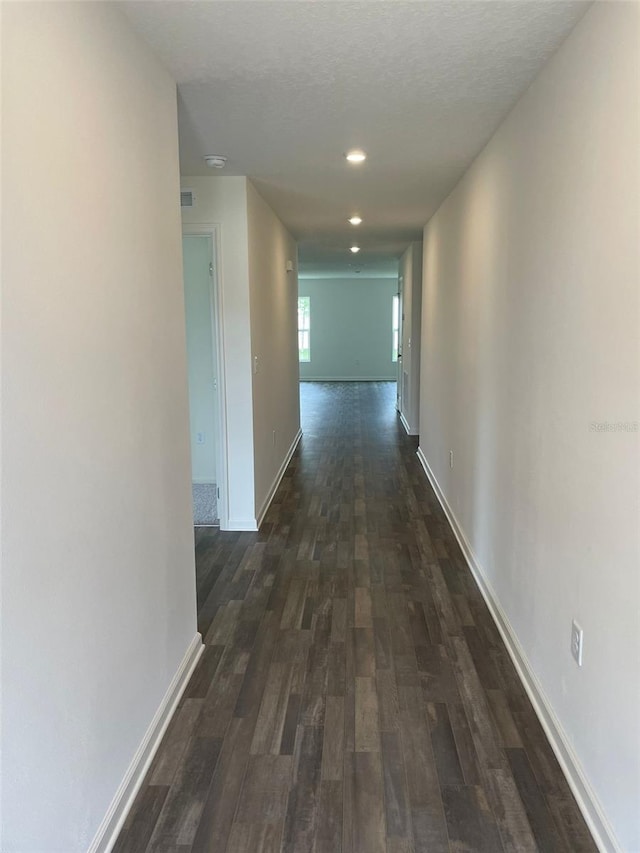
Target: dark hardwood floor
354 694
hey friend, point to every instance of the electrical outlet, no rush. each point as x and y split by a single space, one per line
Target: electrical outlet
451 459
576 642
256 366
199 438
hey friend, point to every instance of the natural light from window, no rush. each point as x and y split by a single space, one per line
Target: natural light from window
395 327
304 328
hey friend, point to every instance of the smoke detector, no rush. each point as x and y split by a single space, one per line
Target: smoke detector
215 161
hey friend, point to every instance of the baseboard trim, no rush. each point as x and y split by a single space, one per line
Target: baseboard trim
278 478
202 481
348 379
241 524
587 800
405 424
107 833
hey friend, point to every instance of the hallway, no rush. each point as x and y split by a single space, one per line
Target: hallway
354 693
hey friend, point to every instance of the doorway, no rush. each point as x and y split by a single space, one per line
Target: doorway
203 360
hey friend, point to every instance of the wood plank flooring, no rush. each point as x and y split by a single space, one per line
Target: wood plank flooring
354 695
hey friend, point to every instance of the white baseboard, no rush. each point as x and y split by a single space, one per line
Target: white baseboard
405 424
348 379
588 802
203 481
241 524
111 825
274 486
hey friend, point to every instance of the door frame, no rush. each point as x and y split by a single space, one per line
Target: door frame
218 356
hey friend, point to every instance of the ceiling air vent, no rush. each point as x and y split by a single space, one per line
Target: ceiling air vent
186 198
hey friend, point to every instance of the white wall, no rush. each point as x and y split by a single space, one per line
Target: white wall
530 335
274 342
259 318
98 603
223 201
198 298
350 328
411 273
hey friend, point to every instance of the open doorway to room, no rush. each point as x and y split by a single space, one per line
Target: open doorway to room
203 361
346 329
347 333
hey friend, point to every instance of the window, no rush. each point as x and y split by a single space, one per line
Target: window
304 328
395 327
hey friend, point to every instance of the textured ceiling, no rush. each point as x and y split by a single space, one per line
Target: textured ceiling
283 89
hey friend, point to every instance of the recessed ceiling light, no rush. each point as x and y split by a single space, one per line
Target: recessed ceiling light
356 156
355 220
355 249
